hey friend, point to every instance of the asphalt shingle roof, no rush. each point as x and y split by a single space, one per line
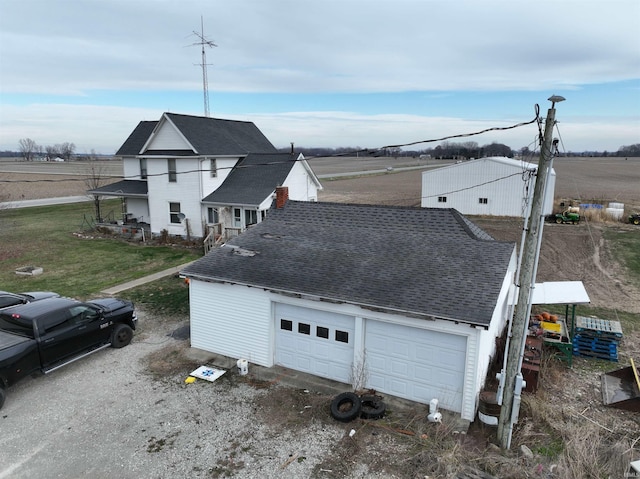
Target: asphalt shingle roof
209 136
137 139
424 262
212 136
253 179
123 188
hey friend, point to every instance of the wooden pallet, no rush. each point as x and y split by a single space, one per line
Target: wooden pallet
598 327
593 354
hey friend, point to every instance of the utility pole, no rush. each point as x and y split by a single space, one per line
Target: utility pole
511 382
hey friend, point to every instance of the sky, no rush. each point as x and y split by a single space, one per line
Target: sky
323 73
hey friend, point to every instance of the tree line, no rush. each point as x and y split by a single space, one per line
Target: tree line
29 150
459 151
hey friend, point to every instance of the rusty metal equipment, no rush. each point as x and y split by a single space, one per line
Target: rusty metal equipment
621 388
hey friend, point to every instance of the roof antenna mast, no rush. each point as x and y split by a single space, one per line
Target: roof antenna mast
205 82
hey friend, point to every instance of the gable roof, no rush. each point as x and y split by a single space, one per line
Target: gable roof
207 136
424 262
253 179
137 139
516 165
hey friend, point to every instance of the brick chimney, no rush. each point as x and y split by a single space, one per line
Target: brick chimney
282 195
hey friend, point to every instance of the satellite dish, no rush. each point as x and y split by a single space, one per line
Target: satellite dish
181 217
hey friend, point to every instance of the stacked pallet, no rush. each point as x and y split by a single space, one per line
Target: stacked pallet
597 338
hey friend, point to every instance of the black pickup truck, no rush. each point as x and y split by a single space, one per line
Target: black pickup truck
45 335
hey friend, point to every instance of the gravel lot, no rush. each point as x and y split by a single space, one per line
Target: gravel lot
109 416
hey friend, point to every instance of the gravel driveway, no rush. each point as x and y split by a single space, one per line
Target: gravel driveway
106 416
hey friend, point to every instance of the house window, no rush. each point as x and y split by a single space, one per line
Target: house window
286 325
212 215
214 168
322 332
442 199
174 212
304 328
250 217
171 166
483 201
342 336
143 168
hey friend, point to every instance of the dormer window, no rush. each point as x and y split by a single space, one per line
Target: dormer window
214 168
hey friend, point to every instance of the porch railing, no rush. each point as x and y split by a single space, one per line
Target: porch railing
218 235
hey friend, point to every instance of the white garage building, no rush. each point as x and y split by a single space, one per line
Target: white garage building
496 186
416 296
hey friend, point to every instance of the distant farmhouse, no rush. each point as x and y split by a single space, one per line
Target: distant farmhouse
493 186
190 176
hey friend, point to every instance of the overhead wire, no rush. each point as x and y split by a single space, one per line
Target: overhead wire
335 155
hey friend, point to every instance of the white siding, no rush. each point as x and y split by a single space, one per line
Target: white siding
487 338
464 184
167 137
139 208
224 166
131 168
300 183
234 321
186 191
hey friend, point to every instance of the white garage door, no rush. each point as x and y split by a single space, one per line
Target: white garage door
415 363
315 342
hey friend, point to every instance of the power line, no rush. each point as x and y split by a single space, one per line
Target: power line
337 155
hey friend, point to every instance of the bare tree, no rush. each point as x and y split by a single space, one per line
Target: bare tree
94 180
28 148
67 150
52 151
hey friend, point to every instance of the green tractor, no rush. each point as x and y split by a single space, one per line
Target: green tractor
634 218
570 215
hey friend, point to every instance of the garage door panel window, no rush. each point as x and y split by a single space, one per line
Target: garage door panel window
286 325
304 328
322 332
342 336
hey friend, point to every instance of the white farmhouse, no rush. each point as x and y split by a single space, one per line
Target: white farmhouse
496 186
414 296
190 176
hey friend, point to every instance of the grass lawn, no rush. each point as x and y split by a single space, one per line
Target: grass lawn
78 266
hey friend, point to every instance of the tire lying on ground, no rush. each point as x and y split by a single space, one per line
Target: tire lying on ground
346 407
372 407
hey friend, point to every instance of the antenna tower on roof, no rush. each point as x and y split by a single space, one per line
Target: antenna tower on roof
203 42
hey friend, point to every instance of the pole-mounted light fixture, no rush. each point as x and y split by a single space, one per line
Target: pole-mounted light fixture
555 99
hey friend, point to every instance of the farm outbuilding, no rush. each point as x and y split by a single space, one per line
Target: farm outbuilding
495 186
410 300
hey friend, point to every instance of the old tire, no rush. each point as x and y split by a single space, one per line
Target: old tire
121 336
372 407
346 407
3 394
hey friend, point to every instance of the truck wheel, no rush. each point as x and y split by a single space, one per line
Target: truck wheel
3 394
345 407
121 336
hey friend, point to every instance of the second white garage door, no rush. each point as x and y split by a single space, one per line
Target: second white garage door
315 342
416 364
